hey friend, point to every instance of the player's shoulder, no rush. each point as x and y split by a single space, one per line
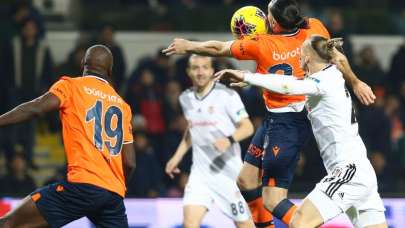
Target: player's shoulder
186 95
315 26
126 106
330 74
314 22
187 92
221 89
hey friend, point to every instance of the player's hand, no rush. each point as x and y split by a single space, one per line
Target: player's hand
234 76
363 92
222 144
239 84
171 167
177 47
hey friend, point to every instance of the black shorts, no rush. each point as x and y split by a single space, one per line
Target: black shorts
276 146
64 202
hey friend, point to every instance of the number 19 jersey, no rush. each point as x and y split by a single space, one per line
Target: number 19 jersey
96 123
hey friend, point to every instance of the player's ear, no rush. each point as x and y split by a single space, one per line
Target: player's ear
82 64
110 72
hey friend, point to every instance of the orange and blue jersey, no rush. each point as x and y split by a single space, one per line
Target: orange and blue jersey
96 123
278 54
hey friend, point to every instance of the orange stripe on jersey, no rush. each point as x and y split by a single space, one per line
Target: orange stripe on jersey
278 54
36 196
96 123
271 182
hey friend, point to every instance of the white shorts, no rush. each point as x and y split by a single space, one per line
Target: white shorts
221 191
350 189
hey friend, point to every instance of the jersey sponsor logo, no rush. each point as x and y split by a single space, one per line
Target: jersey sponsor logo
203 123
286 55
255 151
102 95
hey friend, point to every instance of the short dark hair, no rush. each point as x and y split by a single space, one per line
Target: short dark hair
287 13
201 56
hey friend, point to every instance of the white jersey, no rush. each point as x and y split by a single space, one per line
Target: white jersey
330 111
351 183
211 117
333 119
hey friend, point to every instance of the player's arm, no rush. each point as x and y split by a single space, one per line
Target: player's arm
184 146
28 110
210 48
273 82
361 89
244 130
128 160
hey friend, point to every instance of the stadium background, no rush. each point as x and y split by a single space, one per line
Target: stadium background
31 155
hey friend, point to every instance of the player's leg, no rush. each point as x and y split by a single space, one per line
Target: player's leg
62 203
249 181
26 214
370 212
286 135
197 200
245 224
109 212
229 200
193 215
307 215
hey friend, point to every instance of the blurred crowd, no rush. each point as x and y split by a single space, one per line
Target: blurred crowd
152 89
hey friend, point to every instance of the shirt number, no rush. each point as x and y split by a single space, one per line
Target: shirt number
96 113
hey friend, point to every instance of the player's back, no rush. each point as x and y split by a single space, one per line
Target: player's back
96 123
279 54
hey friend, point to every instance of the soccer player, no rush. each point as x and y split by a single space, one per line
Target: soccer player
276 144
98 142
217 122
351 183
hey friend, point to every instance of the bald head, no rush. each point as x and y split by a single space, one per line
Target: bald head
98 59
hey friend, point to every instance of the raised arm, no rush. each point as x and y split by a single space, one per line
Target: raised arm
184 146
275 83
210 48
30 109
362 91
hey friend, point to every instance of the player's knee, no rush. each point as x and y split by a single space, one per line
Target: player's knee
246 182
242 182
245 224
297 220
270 202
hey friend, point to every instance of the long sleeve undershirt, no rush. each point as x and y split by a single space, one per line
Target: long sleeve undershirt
283 84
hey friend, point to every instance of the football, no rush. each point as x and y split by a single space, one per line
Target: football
248 21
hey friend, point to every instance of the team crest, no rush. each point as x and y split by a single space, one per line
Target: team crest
211 109
276 149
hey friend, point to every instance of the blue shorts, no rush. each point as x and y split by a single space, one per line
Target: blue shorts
64 202
276 146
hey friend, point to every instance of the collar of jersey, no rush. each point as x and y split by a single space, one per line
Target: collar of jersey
293 33
206 95
328 66
96 77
